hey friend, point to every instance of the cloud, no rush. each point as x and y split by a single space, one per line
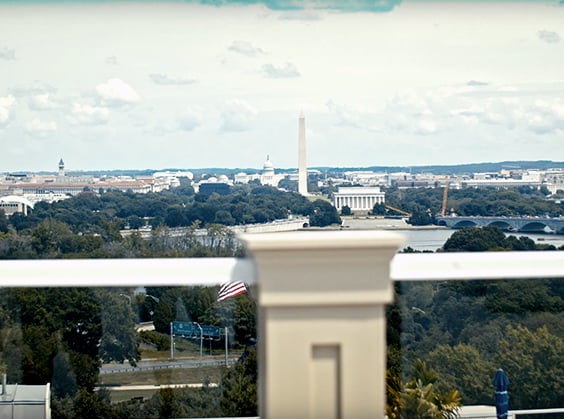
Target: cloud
245 48
300 15
41 102
164 79
117 91
88 115
476 83
338 5
545 116
40 128
6 103
7 54
346 116
112 60
353 116
237 115
550 37
189 120
287 70
425 127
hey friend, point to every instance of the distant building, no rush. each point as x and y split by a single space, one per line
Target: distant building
361 199
267 177
12 204
208 188
61 168
555 180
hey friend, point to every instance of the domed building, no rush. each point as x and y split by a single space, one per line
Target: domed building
268 177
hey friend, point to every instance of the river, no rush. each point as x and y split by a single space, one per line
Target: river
427 239
434 238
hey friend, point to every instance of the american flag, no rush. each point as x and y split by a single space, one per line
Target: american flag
230 289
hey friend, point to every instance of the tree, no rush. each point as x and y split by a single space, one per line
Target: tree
462 367
323 214
119 340
239 387
3 222
419 398
534 363
475 240
346 210
379 209
48 236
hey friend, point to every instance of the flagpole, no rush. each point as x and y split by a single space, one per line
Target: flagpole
226 339
171 343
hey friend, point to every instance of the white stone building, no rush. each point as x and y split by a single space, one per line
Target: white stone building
361 199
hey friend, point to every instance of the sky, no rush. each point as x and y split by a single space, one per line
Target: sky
218 83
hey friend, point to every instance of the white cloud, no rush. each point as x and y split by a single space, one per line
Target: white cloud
545 116
189 120
6 103
117 91
300 15
346 115
245 48
477 83
287 70
237 115
7 54
88 115
425 127
40 128
165 79
42 101
550 37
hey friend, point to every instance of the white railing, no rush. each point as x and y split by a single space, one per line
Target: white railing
318 292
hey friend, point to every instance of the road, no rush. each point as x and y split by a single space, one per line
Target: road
155 386
155 365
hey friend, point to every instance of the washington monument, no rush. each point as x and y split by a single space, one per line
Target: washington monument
302 169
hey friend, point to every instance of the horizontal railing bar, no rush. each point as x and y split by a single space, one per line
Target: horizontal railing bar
214 271
477 265
124 272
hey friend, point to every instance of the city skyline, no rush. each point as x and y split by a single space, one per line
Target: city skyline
139 85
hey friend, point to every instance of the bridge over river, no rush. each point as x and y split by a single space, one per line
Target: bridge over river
518 224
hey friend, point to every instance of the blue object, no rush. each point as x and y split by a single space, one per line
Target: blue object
500 383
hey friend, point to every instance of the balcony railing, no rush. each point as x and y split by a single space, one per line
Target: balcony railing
318 292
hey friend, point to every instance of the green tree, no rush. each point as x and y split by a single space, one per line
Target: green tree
534 364
48 236
420 398
379 209
3 222
462 367
239 387
475 240
119 340
323 214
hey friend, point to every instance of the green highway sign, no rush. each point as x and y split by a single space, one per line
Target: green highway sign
192 330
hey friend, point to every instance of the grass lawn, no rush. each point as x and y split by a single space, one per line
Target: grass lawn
165 376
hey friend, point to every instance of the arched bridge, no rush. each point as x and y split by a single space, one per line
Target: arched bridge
518 224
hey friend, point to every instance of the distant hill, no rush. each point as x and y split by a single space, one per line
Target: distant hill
457 169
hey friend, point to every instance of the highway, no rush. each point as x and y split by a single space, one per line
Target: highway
156 365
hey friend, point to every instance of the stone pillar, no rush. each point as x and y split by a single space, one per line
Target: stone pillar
322 324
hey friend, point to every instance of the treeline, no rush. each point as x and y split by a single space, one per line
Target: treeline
425 203
89 225
466 330
90 212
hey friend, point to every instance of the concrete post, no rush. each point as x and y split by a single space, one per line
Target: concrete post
322 325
